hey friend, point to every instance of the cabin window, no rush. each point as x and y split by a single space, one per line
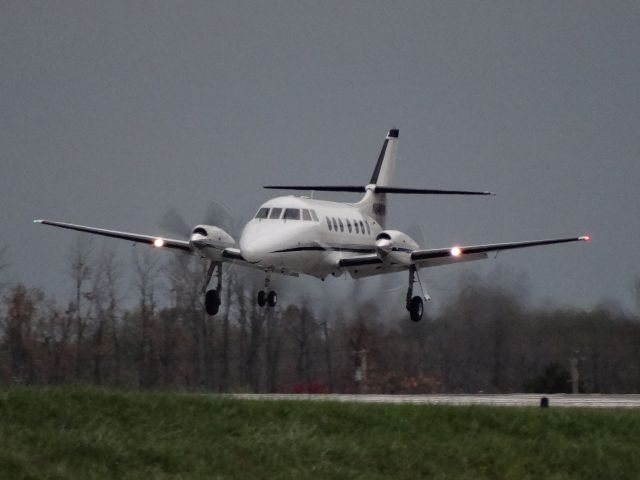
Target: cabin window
341 225
355 225
275 213
348 225
362 227
262 213
366 222
335 224
291 214
328 222
314 216
306 215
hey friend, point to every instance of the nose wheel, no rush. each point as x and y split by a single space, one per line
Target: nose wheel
267 298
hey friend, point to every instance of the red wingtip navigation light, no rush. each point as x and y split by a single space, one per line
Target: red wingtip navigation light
158 242
586 238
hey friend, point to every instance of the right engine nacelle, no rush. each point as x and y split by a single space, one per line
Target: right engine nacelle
393 246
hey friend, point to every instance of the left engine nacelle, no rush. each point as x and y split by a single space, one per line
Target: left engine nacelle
393 246
210 241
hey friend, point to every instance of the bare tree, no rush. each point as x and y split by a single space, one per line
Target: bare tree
20 330
231 281
185 276
146 266
3 261
327 355
80 269
3 266
636 285
302 327
106 299
251 320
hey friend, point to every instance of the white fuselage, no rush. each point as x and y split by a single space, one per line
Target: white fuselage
294 235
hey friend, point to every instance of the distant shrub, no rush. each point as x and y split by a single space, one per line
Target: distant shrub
554 379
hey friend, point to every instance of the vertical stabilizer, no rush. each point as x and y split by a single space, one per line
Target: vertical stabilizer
375 204
386 165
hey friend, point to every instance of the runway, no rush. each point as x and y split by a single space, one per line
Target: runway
511 400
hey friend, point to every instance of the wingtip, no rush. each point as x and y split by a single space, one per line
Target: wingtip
585 238
38 221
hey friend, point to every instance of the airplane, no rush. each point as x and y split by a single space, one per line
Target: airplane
295 235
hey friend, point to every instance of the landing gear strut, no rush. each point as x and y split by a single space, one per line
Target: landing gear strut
414 304
212 297
267 298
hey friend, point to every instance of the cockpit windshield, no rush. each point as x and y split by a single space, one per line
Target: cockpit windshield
275 213
291 214
308 215
262 213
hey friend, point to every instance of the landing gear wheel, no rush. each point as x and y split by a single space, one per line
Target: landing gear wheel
415 309
262 298
212 302
272 298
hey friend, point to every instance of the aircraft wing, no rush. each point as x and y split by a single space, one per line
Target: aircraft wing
159 242
421 255
371 264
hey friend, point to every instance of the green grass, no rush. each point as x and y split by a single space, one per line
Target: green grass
89 433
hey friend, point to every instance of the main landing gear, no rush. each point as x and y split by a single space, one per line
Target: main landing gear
414 304
267 298
212 297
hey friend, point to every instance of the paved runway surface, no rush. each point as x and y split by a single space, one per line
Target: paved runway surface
514 400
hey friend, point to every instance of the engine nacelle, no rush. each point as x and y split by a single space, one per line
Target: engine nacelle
210 241
393 246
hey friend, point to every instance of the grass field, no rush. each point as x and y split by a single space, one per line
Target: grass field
89 433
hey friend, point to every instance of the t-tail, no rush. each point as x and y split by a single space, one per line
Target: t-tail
374 202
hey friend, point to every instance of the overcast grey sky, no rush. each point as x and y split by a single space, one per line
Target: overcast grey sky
110 112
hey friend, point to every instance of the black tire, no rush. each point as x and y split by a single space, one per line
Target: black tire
416 309
272 298
262 298
212 302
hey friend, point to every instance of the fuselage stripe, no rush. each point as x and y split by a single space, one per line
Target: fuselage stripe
319 248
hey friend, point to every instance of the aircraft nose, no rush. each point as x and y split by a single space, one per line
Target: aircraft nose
252 245
258 243
252 251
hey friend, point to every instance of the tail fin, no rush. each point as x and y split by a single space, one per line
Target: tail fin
386 165
374 203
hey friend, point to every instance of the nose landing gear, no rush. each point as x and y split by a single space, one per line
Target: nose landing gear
414 304
270 298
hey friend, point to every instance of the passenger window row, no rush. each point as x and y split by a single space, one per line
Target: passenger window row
289 214
358 226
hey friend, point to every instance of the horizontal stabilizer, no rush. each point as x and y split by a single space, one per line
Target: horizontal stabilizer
428 191
378 189
318 188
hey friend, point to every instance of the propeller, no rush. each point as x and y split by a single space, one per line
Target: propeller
173 222
216 214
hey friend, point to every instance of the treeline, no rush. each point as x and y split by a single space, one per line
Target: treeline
485 338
